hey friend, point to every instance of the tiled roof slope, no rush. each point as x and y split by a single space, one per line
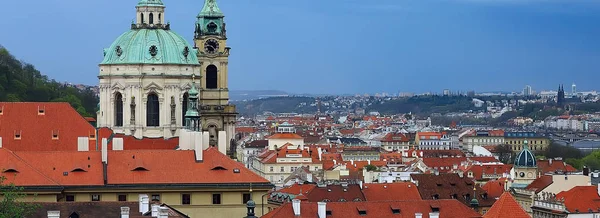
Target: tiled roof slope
446 208
494 188
581 199
132 143
555 166
449 185
506 206
401 191
36 129
336 193
95 209
68 168
20 172
540 183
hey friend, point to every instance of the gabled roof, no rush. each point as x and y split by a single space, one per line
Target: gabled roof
62 166
395 137
540 183
555 166
448 186
506 206
446 208
20 172
400 191
494 188
37 122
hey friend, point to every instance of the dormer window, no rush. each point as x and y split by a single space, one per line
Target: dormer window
17 134
78 169
92 136
140 168
1 110
10 170
54 134
41 110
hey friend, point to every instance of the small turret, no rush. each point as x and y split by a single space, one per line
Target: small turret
192 116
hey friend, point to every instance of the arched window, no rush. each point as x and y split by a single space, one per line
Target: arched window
151 18
142 17
118 109
152 111
184 107
211 77
160 18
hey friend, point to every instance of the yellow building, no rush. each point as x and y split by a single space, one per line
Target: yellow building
535 142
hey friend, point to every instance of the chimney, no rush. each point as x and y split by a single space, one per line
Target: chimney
105 150
334 162
54 214
296 206
124 212
222 142
163 212
117 144
418 215
184 140
301 146
309 177
550 161
586 171
360 183
421 154
320 153
322 208
434 215
0 142
369 162
155 210
83 144
351 162
144 203
197 139
205 140
598 189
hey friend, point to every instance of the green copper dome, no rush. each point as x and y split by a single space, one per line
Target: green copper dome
150 46
150 3
525 158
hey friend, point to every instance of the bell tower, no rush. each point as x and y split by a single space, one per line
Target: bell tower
210 40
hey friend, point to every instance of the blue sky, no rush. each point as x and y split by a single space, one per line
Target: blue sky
339 46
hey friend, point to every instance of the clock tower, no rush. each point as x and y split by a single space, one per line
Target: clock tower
210 40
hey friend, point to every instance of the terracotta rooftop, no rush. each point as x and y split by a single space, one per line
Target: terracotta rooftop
555 166
96 209
445 208
285 136
581 199
506 206
450 186
540 183
336 193
401 191
494 188
46 126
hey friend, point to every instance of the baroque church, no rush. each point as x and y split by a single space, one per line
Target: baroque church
154 84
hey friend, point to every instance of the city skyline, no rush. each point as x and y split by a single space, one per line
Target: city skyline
462 45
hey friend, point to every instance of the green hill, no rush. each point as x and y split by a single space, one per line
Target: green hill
21 82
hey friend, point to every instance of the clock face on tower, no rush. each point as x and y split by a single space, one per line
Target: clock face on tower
211 46
522 174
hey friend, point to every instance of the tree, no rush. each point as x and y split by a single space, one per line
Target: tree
370 167
11 206
504 152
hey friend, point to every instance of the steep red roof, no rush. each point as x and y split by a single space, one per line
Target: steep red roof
540 183
67 167
401 191
446 209
38 123
157 167
21 173
506 206
555 166
395 137
581 199
295 188
494 188
450 186
335 193
489 169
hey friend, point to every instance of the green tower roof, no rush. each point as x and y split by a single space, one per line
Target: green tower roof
150 46
150 3
210 9
193 92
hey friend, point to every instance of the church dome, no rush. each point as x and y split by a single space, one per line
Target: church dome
150 46
525 158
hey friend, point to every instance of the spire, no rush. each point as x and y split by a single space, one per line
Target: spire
192 116
210 9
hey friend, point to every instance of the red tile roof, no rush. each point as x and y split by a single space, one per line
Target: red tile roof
494 188
133 143
335 193
443 164
446 208
395 137
489 169
506 206
37 129
448 186
555 166
285 136
295 188
540 183
581 199
401 191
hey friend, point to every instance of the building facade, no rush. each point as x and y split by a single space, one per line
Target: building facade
147 72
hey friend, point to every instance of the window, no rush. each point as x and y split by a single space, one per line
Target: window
155 197
211 77
151 18
142 17
18 134
54 134
270 169
70 198
159 17
152 110
122 197
184 107
186 199
246 197
282 169
216 198
118 109
95 197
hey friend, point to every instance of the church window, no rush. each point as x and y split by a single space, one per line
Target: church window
159 17
118 109
184 107
152 110
212 27
151 18
142 17
211 77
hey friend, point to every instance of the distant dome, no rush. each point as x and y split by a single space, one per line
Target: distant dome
150 46
150 3
525 158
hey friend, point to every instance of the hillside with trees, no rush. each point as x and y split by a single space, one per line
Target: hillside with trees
21 82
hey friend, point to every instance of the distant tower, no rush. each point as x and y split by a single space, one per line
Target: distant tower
318 106
527 91
560 98
192 117
573 89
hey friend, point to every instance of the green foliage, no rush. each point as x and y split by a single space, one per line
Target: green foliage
277 105
577 163
591 161
11 204
22 82
426 105
562 151
370 167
